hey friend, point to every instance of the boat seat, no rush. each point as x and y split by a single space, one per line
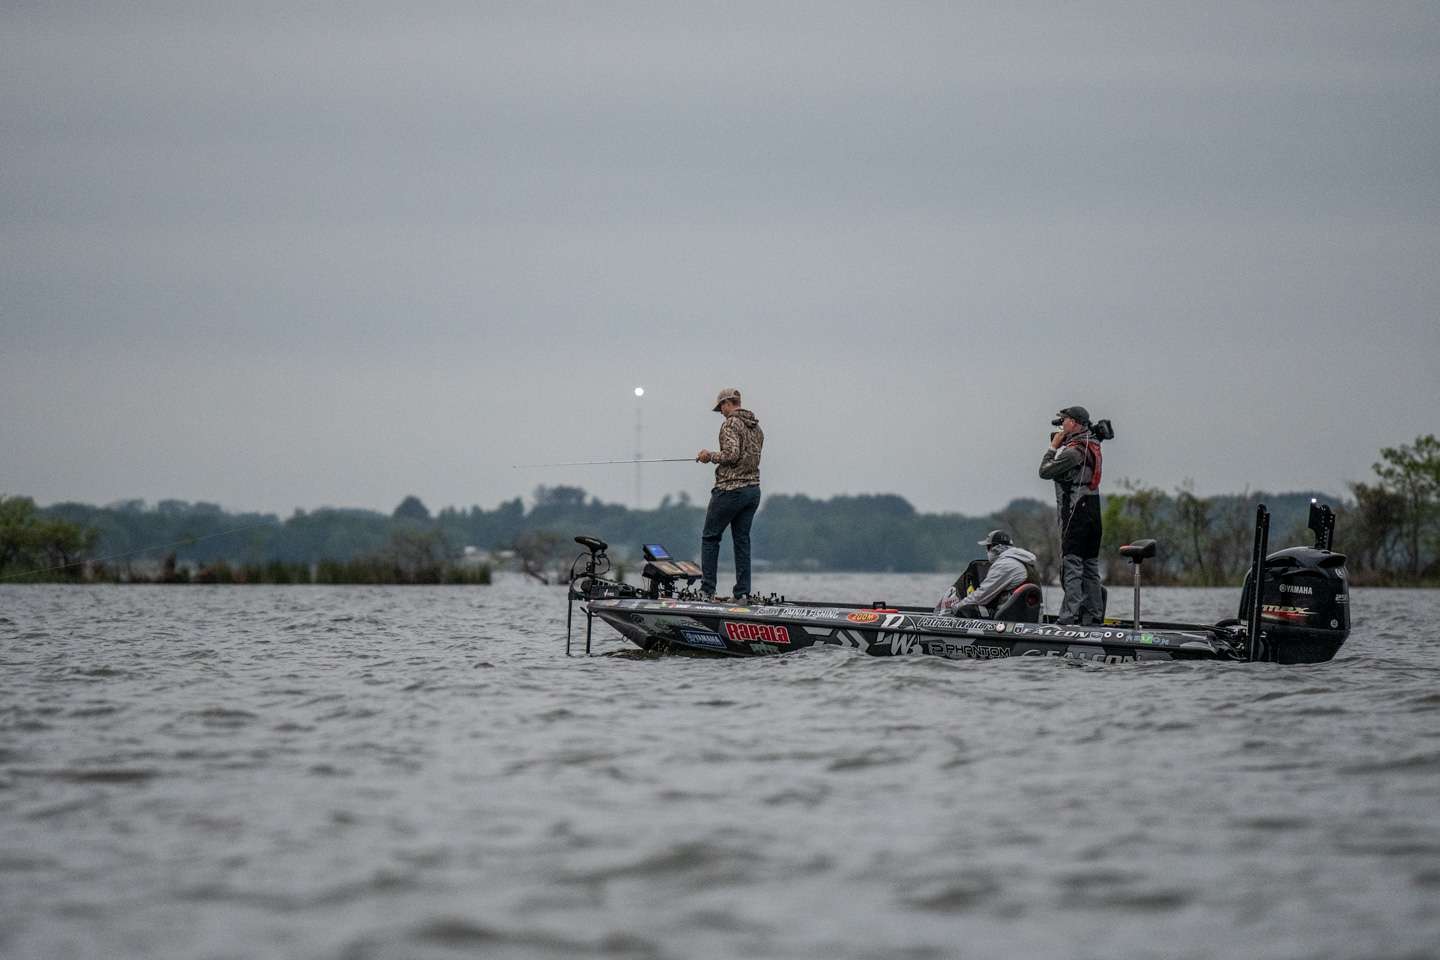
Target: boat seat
1139 550
972 577
1024 605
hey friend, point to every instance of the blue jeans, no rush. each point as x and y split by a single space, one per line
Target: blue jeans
734 509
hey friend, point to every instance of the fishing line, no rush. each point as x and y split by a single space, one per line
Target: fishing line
597 463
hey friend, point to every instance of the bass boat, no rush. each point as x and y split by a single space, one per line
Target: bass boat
1296 611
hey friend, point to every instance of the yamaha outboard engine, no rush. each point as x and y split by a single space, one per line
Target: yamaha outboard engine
1304 610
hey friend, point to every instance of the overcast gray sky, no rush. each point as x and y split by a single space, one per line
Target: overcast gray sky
279 255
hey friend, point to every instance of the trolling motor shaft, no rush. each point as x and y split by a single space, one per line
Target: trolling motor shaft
1137 553
592 569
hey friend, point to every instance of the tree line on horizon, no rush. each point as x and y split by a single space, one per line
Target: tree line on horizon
1389 528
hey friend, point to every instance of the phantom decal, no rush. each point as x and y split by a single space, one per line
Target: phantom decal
961 651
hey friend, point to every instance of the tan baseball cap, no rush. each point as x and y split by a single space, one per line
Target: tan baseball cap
729 393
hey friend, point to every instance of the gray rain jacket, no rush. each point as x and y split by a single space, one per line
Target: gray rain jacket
1012 567
1075 468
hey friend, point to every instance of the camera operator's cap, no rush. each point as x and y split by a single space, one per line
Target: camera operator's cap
729 393
994 537
1078 414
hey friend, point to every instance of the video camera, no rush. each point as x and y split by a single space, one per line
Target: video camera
1101 429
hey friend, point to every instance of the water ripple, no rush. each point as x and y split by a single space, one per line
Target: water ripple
416 772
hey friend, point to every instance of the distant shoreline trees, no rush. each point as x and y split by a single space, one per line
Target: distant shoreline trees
1389 529
33 540
1397 518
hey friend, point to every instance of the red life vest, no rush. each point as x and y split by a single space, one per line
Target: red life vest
1090 459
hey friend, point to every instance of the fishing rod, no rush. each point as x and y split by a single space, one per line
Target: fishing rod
599 463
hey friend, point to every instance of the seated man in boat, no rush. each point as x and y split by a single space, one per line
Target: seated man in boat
1009 567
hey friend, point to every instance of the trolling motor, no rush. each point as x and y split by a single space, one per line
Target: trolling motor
1296 602
586 582
1137 553
589 581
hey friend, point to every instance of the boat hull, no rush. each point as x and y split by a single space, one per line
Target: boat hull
726 630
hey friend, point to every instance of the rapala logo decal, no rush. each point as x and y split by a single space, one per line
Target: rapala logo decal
1295 588
763 632
863 616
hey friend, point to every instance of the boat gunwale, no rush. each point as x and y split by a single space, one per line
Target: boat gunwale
719 609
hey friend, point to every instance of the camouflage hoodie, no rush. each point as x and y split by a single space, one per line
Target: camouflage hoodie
740 441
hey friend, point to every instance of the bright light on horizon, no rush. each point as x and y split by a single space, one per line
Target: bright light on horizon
639 391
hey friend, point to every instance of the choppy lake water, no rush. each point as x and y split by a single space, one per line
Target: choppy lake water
419 772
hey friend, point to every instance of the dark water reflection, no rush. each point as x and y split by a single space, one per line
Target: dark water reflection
415 772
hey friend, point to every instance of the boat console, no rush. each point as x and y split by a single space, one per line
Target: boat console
663 571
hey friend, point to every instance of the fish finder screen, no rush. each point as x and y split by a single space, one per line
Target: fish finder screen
653 551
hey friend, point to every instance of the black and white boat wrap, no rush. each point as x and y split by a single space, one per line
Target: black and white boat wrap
1294 608
719 629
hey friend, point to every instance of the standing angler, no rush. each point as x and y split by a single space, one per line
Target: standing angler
1073 462
736 495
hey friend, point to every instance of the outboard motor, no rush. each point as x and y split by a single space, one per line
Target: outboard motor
1304 611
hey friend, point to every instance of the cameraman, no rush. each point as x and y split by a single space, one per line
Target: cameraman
1073 462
